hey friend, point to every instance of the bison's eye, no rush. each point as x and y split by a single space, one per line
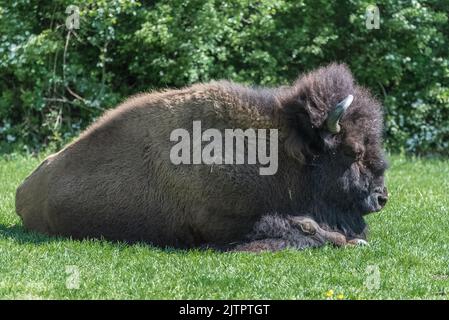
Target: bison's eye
302 99
354 151
378 167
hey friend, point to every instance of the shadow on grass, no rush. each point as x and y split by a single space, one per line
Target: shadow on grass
19 234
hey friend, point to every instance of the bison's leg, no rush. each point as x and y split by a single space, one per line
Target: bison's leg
274 232
311 227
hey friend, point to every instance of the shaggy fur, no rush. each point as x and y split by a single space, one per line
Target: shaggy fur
116 180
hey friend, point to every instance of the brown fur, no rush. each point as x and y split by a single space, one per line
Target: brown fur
116 180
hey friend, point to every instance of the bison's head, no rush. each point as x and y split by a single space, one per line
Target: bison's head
335 134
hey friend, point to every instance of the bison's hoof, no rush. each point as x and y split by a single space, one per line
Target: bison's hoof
336 238
358 242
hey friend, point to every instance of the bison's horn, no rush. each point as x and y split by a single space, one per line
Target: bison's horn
334 117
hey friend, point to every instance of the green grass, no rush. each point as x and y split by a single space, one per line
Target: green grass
409 247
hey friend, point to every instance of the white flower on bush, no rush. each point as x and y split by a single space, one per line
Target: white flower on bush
10 138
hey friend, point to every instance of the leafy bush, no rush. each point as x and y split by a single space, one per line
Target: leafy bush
55 81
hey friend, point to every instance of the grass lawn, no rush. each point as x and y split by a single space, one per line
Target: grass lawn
408 256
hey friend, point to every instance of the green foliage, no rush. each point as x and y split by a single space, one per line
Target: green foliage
54 82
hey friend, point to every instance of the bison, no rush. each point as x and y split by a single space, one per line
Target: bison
117 181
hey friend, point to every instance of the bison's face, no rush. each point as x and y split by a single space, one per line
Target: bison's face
356 184
345 187
336 136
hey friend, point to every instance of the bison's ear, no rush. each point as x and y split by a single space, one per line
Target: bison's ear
302 136
297 148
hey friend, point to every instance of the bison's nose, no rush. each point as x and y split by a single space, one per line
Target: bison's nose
382 198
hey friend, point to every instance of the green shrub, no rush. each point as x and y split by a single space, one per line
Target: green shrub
54 82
